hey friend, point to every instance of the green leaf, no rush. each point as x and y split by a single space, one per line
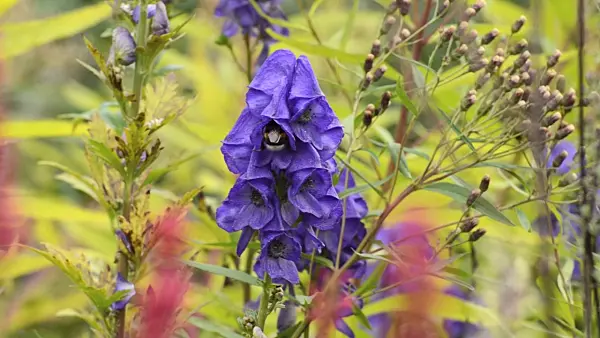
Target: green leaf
107 155
404 99
457 131
417 152
523 220
460 194
40 129
222 271
275 21
317 50
394 149
313 7
349 24
209 326
319 260
361 316
75 179
20 37
372 281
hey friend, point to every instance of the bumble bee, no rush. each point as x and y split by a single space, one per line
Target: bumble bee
274 138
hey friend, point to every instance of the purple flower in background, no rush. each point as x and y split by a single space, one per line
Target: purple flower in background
241 15
123 238
567 164
122 285
160 23
135 14
458 329
278 257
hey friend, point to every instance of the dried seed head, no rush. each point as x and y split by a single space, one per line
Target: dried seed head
517 25
560 158
379 73
387 24
476 235
553 59
473 197
385 100
367 81
484 184
547 77
368 65
519 47
565 131
376 48
551 119
482 80
447 32
404 33
469 224
490 36
404 6
561 83
478 65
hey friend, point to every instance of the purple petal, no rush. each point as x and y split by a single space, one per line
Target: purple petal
245 238
341 326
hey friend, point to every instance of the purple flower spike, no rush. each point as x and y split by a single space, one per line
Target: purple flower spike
566 165
278 257
249 204
122 285
135 15
160 22
309 187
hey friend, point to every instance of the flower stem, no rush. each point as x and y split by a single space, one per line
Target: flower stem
122 260
138 78
248 57
263 310
248 270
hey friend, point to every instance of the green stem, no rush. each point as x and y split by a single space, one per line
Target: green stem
300 329
263 311
248 270
122 260
248 57
138 79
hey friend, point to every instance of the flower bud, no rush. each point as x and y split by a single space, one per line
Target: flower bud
565 131
519 47
447 32
469 13
160 22
514 81
404 6
473 197
123 47
462 29
478 65
482 80
559 159
367 81
555 100
368 65
547 77
569 100
387 25
553 59
476 235
568 180
479 4
469 224
468 101
258 333
528 77
367 117
376 48
444 6
385 100
404 33
517 25
460 51
522 59
490 36
484 184
517 95
379 73
593 99
561 83
470 37
551 119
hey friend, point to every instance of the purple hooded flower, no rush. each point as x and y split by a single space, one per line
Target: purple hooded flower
458 329
566 165
313 120
122 285
150 10
312 192
122 50
160 23
278 257
250 203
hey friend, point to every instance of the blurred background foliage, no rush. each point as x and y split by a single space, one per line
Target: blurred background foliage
45 88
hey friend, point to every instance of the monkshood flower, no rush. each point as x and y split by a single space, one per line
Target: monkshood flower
123 285
160 23
567 163
279 254
242 15
122 50
459 329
